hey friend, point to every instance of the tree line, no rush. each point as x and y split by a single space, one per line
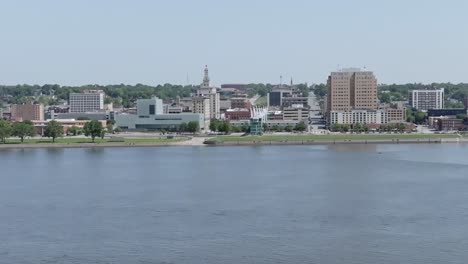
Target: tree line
52 130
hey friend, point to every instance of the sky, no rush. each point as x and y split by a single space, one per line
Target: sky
153 42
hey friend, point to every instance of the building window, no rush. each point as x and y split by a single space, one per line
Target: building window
151 110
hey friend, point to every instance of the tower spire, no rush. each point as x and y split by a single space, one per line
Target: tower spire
206 78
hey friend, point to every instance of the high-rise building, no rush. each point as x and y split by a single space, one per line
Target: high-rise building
427 99
87 101
352 89
207 91
201 105
465 101
28 111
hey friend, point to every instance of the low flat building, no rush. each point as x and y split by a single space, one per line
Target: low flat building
358 116
150 116
381 116
86 115
66 124
449 124
281 123
446 112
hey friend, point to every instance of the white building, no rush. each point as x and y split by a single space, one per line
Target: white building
150 116
427 99
87 101
201 105
211 93
149 107
358 116
207 101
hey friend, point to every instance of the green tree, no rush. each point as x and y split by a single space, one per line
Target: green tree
288 128
74 130
193 126
225 127
385 98
93 129
110 128
420 117
215 125
53 130
183 127
300 126
23 129
5 130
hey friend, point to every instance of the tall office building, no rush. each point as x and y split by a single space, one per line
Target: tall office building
87 101
206 91
28 111
427 99
352 89
201 105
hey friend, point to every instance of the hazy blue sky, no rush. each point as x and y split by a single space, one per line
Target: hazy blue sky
143 41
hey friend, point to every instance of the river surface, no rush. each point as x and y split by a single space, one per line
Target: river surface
286 204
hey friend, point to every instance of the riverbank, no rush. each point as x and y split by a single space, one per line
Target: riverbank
334 139
240 141
99 143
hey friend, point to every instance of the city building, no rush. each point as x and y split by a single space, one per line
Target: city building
465 101
201 105
206 91
237 114
27 111
87 101
83 116
66 124
424 100
150 116
172 109
381 116
275 115
396 115
281 123
295 112
240 103
236 86
351 89
448 124
446 112
224 105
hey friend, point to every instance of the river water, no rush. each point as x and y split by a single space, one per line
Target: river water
285 204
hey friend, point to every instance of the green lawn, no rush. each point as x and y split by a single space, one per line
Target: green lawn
88 140
328 137
261 101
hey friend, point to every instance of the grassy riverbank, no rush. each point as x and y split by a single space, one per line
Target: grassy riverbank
278 138
33 141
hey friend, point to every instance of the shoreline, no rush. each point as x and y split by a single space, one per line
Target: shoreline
206 142
340 142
